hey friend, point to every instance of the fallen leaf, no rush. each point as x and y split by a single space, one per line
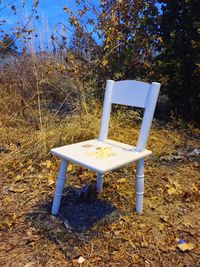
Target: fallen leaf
6 221
17 190
104 62
69 168
171 191
132 244
144 244
30 264
172 248
48 164
18 178
185 246
134 258
161 226
31 168
194 188
96 258
153 205
164 218
121 180
51 181
187 223
142 225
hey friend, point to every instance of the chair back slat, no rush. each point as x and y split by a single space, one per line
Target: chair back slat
131 93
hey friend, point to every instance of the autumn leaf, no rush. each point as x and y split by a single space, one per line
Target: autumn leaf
104 62
144 244
161 226
164 218
185 246
51 181
66 9
47 164
18 178
69 168
7 221
171 191
121 180
134 258
153 205
194 188
17 190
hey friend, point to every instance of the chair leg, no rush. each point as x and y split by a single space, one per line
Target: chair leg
139 186
99 182
59 187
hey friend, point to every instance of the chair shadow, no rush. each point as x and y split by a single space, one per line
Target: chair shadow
81 217
82 210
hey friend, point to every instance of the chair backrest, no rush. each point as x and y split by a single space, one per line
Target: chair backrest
131 93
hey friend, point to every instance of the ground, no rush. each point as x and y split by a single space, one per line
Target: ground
103 230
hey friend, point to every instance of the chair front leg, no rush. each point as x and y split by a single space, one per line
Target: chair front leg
59 187
139 186
99 182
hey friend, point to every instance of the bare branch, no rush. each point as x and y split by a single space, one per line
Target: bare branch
22 30
7 5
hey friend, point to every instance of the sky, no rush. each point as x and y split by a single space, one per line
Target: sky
51 16
53 10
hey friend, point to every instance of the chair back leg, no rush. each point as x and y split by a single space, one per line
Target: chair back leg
59 187
99 182
139 186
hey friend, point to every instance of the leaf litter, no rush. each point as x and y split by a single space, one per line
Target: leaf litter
101 230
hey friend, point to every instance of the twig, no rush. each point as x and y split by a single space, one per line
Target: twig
20 34
7 5
39 107
100 61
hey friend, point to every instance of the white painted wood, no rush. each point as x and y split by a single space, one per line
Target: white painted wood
131 93
80 153
106 111
102 155
59 187
99 182
148 115
139 186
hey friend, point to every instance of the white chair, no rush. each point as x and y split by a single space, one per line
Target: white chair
102 155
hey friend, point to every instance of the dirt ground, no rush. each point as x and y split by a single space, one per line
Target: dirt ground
102 230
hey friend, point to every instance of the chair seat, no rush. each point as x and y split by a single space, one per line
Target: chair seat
100 156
